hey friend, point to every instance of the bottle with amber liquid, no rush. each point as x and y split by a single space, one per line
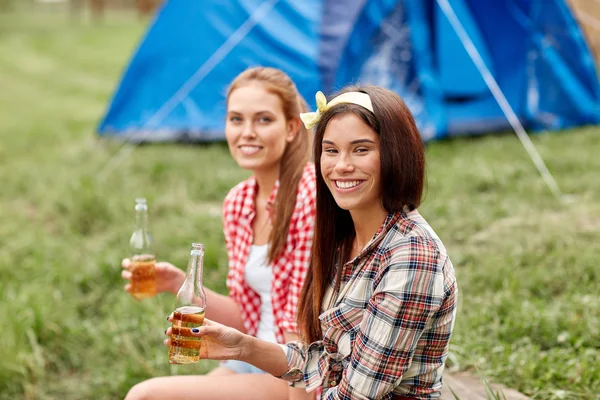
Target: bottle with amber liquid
189 311
143 259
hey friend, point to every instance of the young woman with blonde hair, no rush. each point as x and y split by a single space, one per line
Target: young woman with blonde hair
268 224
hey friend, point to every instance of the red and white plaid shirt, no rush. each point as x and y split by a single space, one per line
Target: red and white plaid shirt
289 270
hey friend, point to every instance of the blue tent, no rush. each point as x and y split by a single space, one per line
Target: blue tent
458 64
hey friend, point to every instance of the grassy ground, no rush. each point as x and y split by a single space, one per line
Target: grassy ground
527 265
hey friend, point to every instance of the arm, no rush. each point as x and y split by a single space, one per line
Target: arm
297 393
227 311
224 310
300 394
264 355
169 278
409 290
220 342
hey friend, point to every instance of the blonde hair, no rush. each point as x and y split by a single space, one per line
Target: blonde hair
295 155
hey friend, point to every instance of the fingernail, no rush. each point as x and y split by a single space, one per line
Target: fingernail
195 330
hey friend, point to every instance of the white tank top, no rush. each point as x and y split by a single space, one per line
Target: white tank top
259 277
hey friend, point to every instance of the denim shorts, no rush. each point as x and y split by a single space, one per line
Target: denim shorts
240 367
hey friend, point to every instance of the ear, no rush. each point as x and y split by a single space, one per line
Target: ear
293 127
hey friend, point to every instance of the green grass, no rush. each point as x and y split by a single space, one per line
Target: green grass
527 265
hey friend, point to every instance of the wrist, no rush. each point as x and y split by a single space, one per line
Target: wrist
246 348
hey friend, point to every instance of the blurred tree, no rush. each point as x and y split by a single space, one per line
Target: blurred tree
143 6
7 5
97 9
146 7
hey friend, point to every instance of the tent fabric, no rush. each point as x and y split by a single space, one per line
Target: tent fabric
175 85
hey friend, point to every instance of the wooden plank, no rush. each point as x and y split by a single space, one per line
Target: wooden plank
469 387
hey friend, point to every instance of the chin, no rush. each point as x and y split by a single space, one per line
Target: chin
344 205
247 163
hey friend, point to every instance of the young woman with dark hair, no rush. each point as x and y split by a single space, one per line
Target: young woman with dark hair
377 310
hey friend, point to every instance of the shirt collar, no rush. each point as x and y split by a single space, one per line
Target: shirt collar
248 207
388 223
402 219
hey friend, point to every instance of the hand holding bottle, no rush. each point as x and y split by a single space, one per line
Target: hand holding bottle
169 278
219 342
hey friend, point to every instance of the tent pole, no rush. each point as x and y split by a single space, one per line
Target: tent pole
501 99
163 112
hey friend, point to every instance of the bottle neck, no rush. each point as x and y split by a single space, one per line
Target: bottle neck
141 219
192 292
195 270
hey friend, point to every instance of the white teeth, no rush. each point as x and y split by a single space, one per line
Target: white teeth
249 149
346 184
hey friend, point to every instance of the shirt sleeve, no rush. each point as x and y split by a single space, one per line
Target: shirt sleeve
302 231
226 212
409 290
228 219
298 355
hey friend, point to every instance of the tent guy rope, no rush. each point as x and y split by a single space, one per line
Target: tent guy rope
501 99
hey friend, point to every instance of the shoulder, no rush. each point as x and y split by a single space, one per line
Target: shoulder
235 198
411 241
240 190
414 260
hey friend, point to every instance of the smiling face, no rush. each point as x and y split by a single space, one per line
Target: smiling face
256 128
351 165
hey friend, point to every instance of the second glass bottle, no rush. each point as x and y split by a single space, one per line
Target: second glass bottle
143 259
189 311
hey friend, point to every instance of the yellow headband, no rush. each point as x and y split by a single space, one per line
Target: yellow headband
310 119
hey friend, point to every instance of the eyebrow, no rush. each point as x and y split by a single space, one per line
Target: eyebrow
256 113
357 141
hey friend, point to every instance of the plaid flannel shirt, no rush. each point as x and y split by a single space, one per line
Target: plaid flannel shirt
289 270
387 331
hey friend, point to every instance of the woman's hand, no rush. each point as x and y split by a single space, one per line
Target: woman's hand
219 342
169 278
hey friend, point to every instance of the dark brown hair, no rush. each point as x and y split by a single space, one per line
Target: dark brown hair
295 155
403 174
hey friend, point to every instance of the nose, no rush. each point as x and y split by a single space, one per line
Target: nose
248 131
344 164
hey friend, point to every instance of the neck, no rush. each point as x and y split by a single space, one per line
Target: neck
366 224
266 181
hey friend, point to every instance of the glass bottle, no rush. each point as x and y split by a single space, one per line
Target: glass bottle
143 259
189 311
